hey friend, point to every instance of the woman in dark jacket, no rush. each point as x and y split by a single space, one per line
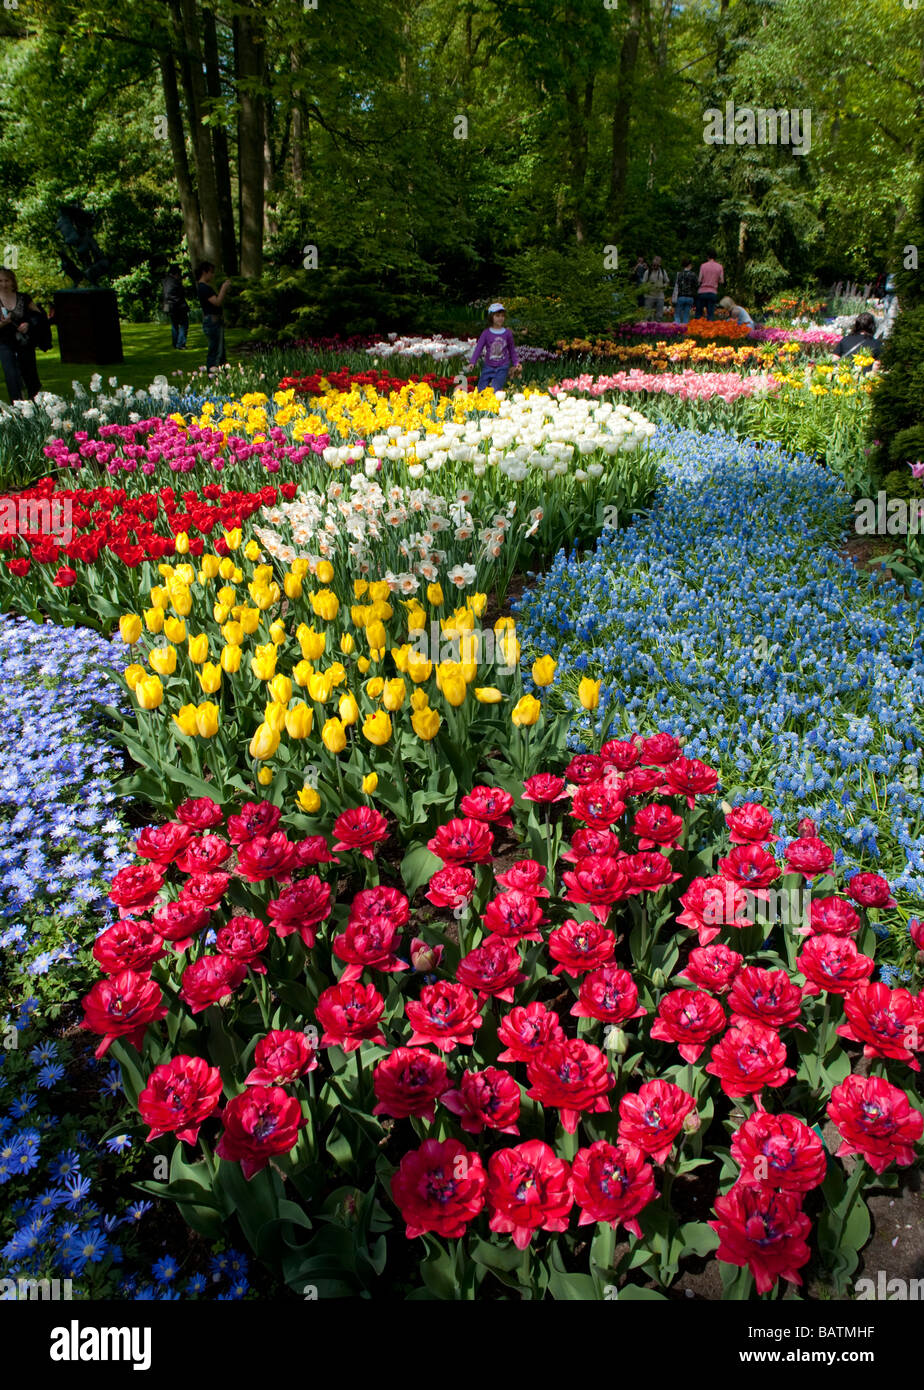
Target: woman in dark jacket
19 316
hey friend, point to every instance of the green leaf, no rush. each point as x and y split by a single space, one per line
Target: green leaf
417 868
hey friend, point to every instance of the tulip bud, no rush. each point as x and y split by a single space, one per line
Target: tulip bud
312 643
526 712
424 957
419 699
348 709
249 619
220 612
264 742
207 719
435 595
292 586
252 550
281 689
916 928
233 538
347 644
210 676
274 714
265 776
589 693
324 571
181 543
300 566
319 686
363 663
130 628
488 694
231 660
692 1123
615 1040
198 648
209 566
175 630
807 829
154 620
149 692
658 979
226 568
277 632
162 660
370 782
543 671
333 736
426 724
393 696
134 674
375 687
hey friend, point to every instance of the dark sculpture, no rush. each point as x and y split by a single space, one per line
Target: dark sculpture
89 262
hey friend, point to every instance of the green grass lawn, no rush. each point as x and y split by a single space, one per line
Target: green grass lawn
148 353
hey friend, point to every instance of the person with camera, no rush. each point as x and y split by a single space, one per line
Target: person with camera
21 332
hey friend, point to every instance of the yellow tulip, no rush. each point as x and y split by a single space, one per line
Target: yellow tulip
435 595
175 630
477 603
185 574
419 699
220 612
333 736
165 571
186 720
209 566
264 742
163 660
359 615
312 643
263 664
324 571
226 568
504 624
181 543
134 674
325 604
265 776
309 800
233 633
227 594
363 663
252 550
233 538
416 620
207 719
210 678
348 709
130 628
543 671
375 687
281 689
360 587
300 566
347 644
149 692
160 597
292 586
299 720
509 648
181 600
263 574
274 714
426 724
400 656
249 619
453 690
370 782
302 671
231 660
319 686
589 693
277 632
198 649
488 694
526 711
154 620
237 575
376 635
394 694
377 728
380 591
336 673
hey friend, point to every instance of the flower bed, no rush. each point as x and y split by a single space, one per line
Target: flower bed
731 617
688 386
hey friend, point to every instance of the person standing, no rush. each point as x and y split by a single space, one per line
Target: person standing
711 276
500 354
860 339
175 306
685 289
18 315
654 283
213 323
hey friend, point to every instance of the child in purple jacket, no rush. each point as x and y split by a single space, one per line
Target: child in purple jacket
500 354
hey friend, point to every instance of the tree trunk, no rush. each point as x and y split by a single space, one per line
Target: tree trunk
622 114
219 145
190 62
189 203
249 72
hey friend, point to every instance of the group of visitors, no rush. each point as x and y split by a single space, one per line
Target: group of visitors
693 289
176 307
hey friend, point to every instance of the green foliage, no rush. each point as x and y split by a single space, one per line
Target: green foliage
897 422
557 294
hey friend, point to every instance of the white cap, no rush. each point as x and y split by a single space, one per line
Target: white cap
496 308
